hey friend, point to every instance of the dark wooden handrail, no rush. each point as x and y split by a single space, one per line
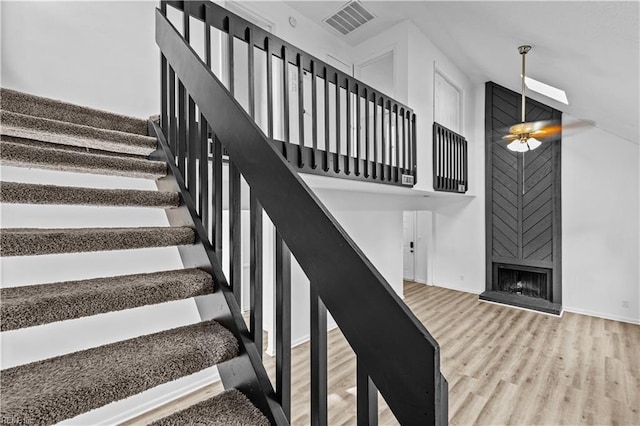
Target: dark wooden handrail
392 346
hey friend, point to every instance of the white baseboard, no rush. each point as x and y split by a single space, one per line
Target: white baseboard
635 321
459 288
126 409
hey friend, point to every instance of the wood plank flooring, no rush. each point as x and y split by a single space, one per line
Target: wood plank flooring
504 366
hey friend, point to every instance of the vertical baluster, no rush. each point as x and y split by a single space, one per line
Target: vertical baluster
391 144
414 165
338 132
358 132
397 145
269 49
171 134
452 157
367 398
375 135
314 116
285 100
250 72
458 161
466 166
230 59
449 160
327 121
163 95
283 325
164 123
192 150
255 264
318 360
207 34
443 157
182 127
384 141
445 153
367 135
217 198
204 174
300 110
185 126
235 251
347 168
404 141
436 158
204 133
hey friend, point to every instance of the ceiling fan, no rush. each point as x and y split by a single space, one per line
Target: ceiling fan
525 136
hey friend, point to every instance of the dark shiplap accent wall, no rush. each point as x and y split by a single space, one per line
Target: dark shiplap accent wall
523 206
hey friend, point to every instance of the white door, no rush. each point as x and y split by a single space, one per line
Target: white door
408 245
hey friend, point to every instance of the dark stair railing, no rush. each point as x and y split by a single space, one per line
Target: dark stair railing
450 160
395 353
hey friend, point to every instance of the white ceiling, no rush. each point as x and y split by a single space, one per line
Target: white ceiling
590 49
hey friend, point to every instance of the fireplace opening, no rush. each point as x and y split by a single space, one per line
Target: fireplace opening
521 280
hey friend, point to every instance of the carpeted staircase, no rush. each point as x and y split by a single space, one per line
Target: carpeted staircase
46 134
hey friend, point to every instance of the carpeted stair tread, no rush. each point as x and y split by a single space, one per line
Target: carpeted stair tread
20 155
33 305
24 103
29 193
230 408
46 130
53 145
37 241
52 390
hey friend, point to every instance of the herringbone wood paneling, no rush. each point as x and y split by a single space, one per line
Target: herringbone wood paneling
523 190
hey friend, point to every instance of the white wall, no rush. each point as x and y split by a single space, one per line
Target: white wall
98 54
600 199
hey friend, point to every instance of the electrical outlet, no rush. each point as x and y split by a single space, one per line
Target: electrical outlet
625 304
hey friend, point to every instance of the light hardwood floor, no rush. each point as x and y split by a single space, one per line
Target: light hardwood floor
504 366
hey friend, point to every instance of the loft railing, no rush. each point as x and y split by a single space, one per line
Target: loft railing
450 162
322 120
395 353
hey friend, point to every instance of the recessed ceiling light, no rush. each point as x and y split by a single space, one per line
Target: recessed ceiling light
544 89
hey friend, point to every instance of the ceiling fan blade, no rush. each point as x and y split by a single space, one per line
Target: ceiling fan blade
510 137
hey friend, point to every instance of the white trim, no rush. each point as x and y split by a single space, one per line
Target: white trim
635 321
244 12
458 87
392 48
333 60
463 289
414 239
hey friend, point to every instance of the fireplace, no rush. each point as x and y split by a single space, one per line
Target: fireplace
522 280
524 286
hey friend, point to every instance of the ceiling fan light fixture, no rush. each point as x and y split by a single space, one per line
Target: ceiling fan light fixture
533 143
521 134
518 146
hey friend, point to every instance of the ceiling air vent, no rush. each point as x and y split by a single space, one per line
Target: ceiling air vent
349 18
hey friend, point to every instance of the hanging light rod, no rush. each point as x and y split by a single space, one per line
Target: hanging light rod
522 134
